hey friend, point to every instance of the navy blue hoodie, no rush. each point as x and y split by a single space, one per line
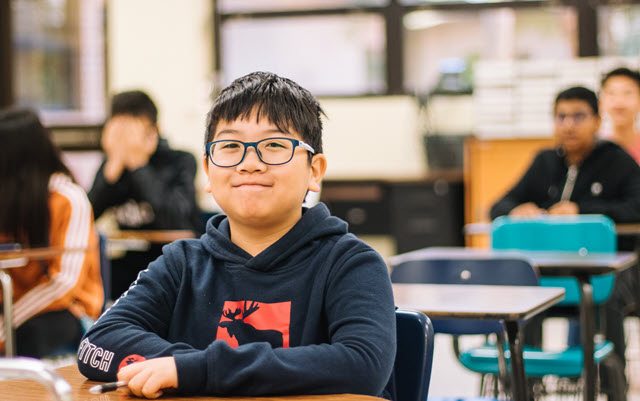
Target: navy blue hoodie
313 313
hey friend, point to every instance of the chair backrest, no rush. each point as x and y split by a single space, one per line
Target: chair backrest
105 268
584 233
414 357
458 269
581 233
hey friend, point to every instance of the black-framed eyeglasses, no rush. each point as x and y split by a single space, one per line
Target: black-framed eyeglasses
576 118
271 151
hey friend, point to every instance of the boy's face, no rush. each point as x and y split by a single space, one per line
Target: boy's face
258 195
620 100
575 126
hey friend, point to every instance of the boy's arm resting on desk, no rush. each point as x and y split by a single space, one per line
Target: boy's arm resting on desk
133 329
357 356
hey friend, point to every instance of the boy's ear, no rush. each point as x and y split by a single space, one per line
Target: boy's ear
205 163
318 168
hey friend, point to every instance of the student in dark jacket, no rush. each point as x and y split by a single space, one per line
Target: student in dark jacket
275 298
582 175
147 185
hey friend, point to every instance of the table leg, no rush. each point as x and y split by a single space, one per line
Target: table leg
7 310
587 328
517 361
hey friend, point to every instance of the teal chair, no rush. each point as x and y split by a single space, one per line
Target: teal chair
583 234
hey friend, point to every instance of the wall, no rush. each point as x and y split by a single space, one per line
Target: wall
165 48
376 137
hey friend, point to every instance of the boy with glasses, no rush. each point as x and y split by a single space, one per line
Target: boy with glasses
582 175
274 298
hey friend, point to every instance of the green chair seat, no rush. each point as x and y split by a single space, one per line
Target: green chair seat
537 362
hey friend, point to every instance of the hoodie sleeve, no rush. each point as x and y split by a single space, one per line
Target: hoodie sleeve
103 195
135 327
358 357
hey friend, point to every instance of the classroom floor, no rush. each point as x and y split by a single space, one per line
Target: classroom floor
450 379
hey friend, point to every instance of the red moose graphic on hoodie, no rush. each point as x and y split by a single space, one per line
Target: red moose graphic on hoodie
243 323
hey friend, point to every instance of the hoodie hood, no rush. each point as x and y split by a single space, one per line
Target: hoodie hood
294 246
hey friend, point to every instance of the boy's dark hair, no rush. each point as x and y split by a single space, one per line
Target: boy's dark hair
283 102
578 93
135 103
622 72
28 158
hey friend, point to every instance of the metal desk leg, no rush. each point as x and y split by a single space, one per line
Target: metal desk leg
587 327
7 301
517 361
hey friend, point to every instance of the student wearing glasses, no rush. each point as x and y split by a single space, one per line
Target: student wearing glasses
275 298
620 105
41 206
146 184
582 175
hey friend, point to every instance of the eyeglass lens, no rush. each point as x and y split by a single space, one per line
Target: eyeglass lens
270 151
576 118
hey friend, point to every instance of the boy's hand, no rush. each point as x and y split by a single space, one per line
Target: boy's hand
112 144
149 378
528 209
140 142
564 207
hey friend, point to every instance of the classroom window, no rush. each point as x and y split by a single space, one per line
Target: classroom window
58 55
440 2
330 55
619 30
240 6
438 40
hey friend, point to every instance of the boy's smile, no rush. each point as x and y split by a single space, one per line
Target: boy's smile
255 194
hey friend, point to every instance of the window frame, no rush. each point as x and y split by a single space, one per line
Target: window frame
394 12
7 89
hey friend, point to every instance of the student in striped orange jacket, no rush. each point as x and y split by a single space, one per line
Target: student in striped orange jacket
41 206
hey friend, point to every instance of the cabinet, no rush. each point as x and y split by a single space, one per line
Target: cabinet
416 213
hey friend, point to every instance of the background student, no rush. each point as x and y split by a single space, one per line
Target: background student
148 185
582 175
620 106
41 206
275 298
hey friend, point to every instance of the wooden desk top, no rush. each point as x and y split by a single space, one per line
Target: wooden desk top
37 253
26 390
628 229
476 301
159 236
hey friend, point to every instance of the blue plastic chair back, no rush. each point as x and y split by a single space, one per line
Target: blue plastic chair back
480 270
414 357
581 233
